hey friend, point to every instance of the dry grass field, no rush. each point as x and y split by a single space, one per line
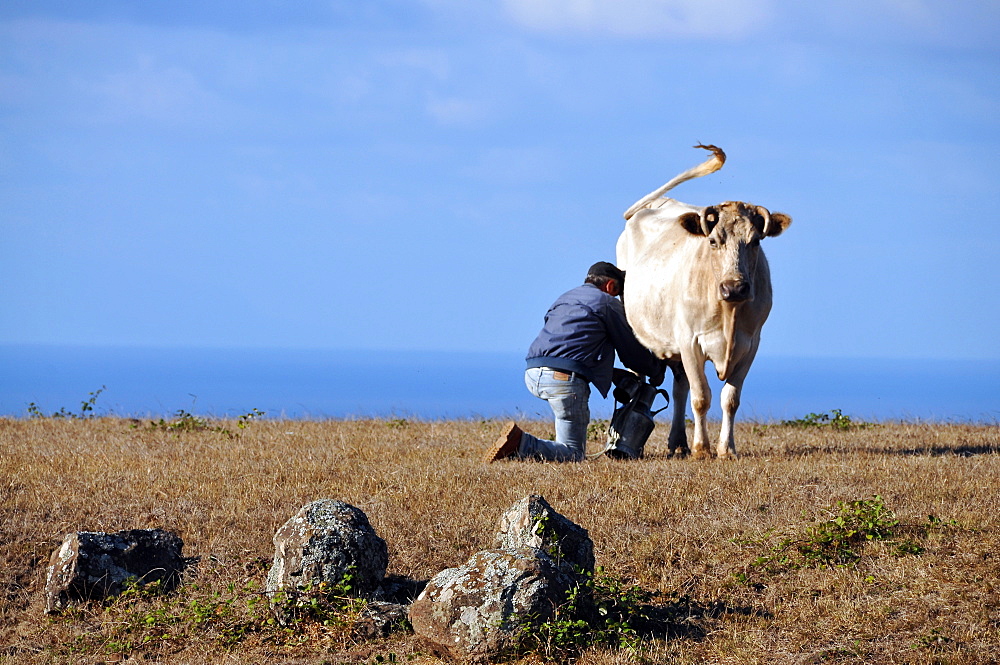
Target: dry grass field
735 549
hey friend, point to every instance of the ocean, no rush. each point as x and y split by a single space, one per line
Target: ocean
297 384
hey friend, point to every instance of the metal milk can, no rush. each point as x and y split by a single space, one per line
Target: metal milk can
632 421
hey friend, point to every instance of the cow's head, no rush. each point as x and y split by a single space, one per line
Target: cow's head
733 230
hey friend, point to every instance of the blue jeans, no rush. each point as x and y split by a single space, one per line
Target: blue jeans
569 398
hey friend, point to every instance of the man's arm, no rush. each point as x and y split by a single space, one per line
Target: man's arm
632 353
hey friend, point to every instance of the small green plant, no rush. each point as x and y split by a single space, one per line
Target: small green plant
391 657
597 430
600 610
543 529
244 420
184 421
935 523
86 408
325 603
934 641
837 541
836 419
909 548
144 616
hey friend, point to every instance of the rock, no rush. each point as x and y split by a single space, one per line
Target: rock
378 620
91 565
478 611
532 522
328 542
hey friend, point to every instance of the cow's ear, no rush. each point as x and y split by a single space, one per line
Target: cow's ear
770 224
691 221
777 224
700 225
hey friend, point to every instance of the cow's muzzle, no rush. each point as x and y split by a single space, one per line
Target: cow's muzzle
734 291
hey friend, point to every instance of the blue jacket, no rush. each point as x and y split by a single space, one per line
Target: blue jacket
583 329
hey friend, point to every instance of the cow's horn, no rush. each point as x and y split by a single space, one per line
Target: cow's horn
710 165
766 215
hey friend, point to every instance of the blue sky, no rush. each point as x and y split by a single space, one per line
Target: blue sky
431 174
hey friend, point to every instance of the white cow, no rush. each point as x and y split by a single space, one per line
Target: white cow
698 288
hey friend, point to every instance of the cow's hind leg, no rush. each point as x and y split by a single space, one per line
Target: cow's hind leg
677 441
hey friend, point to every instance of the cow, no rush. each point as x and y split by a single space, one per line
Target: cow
698 288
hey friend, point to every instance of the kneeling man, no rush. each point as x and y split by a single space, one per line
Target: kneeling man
576 347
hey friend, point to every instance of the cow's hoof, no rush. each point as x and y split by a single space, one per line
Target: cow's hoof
678 453
729 455
701 454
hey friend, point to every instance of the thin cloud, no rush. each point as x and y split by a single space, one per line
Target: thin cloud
966 25
642 18
165 94
456 111
518 166
428 63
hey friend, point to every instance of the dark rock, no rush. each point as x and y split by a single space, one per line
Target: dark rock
478 610
532 522
378 620
93 565
327 542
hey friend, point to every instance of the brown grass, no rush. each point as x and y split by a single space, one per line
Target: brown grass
690 529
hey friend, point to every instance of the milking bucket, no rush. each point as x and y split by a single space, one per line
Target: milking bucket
632 422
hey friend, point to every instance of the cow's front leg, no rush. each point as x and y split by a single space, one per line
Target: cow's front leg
731 392
730 403
701 400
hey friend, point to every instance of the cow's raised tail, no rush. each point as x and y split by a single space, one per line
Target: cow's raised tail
710 165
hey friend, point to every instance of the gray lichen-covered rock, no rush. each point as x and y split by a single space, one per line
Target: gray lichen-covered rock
478 611
328 542
532 522
91 565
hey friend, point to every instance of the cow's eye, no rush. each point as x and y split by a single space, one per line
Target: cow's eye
713 242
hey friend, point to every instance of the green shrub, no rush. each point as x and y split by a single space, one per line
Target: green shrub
144 616
600 610
86 408
838 541
183 421
834 420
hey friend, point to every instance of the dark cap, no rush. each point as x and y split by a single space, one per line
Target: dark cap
605 269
